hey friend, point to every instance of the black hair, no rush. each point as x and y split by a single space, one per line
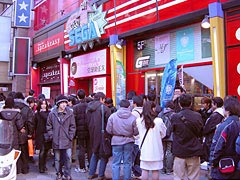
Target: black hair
124 103
138 101
232 105
30 100
81 93
151 97
218 101
41 96
185 100
19 95
99 95
130 94
148 114
72 99
170 104
39 104
31 92
11 94
181 89
108 100
9 103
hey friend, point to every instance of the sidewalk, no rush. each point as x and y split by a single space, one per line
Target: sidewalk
51 175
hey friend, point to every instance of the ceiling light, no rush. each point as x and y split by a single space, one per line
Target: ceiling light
34 66
205 22
119 44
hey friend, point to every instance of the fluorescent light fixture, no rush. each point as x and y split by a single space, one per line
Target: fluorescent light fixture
205 22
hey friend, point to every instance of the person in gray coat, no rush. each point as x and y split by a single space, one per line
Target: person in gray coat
61 128
122 126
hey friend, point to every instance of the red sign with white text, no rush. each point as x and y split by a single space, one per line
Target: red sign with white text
48 44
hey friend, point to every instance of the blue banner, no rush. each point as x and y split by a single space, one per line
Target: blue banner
22 13
168 82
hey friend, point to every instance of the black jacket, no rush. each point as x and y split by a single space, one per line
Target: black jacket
94 117
186 134
79 111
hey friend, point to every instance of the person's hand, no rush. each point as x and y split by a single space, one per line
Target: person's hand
23 130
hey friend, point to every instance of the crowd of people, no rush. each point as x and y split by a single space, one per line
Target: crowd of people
145 137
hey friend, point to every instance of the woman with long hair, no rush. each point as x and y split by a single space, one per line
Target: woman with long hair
151 130
42 142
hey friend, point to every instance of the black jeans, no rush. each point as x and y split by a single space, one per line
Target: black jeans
22 163
83 145
43 155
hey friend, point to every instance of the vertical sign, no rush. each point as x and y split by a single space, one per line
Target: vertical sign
185 45
21 55
162 49
22 13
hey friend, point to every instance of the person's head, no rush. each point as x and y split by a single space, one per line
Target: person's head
1 98
144 97
178 90
149 113
124 103
31 92
170 105
61 102
217 102
9 103
99 96
88 99
41 96
137 101
42 105
231 106
81 94
151 96
206 103
185 100
108 101
31 101
71 100
11 94
130 94
19 95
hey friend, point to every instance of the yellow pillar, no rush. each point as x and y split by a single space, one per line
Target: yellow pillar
217 45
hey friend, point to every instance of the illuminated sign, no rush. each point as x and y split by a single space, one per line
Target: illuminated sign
142 62
85 27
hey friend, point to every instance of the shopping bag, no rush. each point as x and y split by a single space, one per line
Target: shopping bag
30 147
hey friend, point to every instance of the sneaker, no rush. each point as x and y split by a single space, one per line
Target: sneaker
67 177
83 170
92 176
169 173
59 176
136 177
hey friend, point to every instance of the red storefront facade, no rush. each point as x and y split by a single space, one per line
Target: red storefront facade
137 22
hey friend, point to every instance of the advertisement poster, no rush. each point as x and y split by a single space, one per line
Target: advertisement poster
162 49
120 82
46 91
99 85
185 45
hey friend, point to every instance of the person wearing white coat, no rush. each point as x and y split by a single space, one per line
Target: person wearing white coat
152 148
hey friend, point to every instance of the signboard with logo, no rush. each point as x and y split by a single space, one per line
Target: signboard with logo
90 64
22 13
99 85
50 72
85 27
49 44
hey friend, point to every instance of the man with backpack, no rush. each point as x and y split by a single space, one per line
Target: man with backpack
166 114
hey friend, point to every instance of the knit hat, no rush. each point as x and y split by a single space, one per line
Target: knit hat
61 98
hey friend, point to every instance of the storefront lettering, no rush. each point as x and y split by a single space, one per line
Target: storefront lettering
96 69
51 73
142 62
48 44
84 33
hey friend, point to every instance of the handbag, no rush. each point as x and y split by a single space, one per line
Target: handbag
105 146
226 165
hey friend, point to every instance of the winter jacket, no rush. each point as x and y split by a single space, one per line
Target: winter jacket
167 112
152 148
15 117
223 146
209 129
62 130
40 119
79 111
28 118
94 117
122 126
186 135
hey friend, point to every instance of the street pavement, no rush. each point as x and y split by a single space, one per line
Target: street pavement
51 175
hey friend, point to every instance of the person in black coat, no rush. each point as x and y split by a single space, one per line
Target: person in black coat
79 111
187 129
94 117
42 140
27 116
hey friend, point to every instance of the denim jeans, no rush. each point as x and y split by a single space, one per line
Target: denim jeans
122 152
168 157
93 165
137 171
65 155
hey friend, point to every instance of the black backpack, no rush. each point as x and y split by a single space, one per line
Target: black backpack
167 121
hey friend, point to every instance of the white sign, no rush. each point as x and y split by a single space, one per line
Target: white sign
99 85
46 91
162 49
90 64
5 38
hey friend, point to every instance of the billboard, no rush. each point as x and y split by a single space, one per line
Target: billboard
5 38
